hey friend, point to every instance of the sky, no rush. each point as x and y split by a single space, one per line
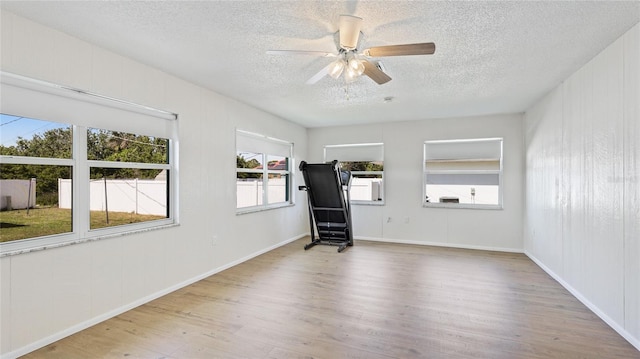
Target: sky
12 127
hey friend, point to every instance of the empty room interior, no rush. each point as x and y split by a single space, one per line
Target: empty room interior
493 149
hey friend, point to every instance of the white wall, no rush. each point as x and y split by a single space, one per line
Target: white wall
582 184
47 294
403 156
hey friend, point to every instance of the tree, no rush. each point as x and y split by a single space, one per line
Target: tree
361 166
241 162
125 147
102 145
55 143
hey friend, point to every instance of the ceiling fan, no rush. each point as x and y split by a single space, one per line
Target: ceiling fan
353 63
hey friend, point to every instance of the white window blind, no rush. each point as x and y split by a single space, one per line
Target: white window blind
484 149
256 143
367 152
42 100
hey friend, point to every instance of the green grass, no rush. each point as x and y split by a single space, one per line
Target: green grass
17 224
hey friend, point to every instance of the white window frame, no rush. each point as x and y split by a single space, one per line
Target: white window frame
261 144
79 163
499 172
357 152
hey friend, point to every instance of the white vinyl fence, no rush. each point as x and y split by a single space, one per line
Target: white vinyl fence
249 192
17 194
128 195
366 189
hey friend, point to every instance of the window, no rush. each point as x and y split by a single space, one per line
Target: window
365 161
36 155
463 173
263 172
68 172
128 178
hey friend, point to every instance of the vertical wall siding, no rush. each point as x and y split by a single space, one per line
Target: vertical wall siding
548 207
631 180
51 293
582 211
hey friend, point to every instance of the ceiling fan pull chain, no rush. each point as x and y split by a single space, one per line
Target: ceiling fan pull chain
346 90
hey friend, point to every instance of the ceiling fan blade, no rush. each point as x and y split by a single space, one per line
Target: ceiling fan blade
375 73
425 48
317 77
349 31
297 52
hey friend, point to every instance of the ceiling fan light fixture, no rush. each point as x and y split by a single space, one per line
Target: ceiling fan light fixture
356 66
350 74
336 68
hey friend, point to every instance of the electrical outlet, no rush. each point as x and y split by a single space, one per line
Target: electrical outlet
406 219
214 240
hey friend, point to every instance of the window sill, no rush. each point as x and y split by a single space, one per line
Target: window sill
462 206
367 203
40 247
254 209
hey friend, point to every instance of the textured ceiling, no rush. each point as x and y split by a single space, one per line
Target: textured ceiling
491 57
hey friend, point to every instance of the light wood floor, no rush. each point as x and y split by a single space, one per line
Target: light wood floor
372 301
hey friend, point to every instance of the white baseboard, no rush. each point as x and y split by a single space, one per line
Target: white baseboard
117 311
612 323
439 244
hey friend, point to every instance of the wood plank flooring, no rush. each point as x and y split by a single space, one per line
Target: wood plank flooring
373 301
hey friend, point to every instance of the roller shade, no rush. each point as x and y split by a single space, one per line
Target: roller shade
256 143
484 179
41 100
482 149
368 152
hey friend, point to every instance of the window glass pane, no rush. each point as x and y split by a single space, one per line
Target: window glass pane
117 199
105 145
277 163
34 201
469 194
248 160
362 166
278 188
248 189
366 187
21 136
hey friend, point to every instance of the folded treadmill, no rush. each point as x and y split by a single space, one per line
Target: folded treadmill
329 209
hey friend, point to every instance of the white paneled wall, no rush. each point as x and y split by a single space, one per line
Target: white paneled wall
5 304
48 294
631 181
402 218
583 184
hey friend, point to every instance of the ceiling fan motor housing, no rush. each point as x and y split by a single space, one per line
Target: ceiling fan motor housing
349 31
